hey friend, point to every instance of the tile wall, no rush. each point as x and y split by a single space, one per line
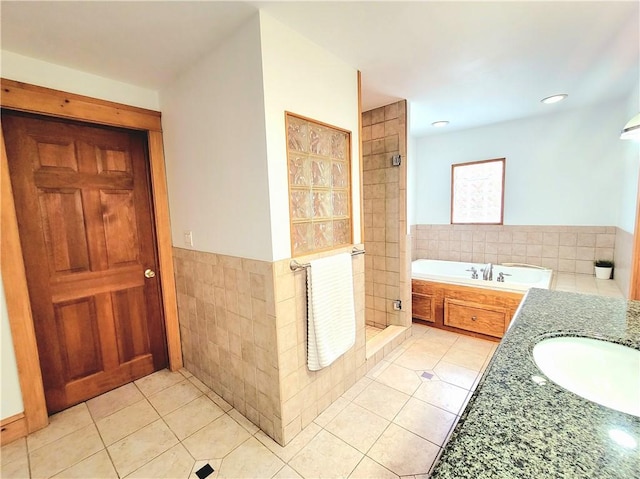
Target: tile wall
305 394
387 263
566 249
226 309
243 330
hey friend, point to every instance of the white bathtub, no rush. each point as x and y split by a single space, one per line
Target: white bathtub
519 279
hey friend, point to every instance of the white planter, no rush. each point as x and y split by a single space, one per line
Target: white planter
603 273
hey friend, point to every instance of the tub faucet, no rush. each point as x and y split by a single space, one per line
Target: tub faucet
487 272
474 272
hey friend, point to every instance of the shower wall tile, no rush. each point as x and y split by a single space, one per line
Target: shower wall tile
569 249
387 268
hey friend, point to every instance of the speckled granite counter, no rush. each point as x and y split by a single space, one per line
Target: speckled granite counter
515 428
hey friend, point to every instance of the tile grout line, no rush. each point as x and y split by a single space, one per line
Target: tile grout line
400 351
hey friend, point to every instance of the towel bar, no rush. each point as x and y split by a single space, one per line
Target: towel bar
295 266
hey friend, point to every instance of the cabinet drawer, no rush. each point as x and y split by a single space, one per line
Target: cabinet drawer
423 307
475 317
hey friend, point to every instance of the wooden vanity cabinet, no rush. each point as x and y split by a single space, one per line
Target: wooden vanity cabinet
478 312
423 307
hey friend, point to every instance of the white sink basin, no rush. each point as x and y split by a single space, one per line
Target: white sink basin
603 372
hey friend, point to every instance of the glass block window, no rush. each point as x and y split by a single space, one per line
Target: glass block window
319 165
477 192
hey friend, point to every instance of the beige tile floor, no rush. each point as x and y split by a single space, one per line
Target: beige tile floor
391 423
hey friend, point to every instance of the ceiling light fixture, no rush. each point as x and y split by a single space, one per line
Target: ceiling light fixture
631 130
440 123
554 98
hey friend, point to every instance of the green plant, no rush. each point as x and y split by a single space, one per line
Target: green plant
603 263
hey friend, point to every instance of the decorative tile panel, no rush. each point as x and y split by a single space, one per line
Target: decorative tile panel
302 237
319 140
339 174
322 235
322 204
301 204
341 231
339 146
321 172
340 204
299 174
319 185
297 134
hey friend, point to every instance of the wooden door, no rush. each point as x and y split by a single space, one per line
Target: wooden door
83 205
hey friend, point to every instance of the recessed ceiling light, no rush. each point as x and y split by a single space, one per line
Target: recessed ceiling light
554 98
440 123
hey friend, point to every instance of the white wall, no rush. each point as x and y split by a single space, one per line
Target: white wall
628 187
302 78
412 174
628 181
215 149
37 72
561 169
10 397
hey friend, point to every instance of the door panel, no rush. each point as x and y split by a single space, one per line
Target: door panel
54 154
79 338
64 232
120 233
131 329
84 213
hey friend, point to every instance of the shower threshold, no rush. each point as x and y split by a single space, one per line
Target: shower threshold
384 337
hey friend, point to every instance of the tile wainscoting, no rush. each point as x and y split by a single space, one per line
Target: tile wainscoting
565 249
226 309
243 330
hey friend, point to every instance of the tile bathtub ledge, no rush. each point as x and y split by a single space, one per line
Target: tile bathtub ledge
515 428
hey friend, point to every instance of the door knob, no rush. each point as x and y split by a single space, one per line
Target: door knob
149 273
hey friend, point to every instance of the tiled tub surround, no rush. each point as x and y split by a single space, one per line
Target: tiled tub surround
565 249
243 329
515 428
387 263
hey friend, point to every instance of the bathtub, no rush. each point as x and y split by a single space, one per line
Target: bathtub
519 279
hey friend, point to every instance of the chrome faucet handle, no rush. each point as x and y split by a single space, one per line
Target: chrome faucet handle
501 277
474 272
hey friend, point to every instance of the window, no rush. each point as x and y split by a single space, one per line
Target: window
477 192
319 166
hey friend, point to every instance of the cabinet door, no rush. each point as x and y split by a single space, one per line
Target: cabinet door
423 307
475 317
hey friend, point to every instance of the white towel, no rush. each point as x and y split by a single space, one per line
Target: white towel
331 317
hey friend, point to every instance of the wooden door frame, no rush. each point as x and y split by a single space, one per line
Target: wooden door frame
44 101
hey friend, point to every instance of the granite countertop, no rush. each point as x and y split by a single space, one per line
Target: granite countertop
516 428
